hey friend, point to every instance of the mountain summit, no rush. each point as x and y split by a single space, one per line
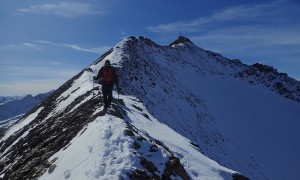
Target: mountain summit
181 39
182 113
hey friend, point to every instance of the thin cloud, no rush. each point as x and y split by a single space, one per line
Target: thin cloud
96 50
245 12
257 12
90 50
54 63
20 46
62 9
7 47
31 45
188 26
256 35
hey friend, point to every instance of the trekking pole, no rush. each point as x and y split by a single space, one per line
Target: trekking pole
94 77
93 87
118 89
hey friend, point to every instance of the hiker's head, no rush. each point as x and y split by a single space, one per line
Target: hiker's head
107 63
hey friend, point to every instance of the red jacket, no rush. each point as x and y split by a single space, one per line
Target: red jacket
107 75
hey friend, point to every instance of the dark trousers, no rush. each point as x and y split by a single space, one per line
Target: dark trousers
107 94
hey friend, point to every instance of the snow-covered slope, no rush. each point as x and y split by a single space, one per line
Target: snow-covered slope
183 113
111 148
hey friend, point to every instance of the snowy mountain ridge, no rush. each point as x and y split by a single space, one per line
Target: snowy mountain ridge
183 113
278 82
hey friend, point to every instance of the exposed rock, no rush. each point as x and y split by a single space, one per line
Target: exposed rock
239 177
181 39
175 168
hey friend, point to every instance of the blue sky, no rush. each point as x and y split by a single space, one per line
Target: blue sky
43 43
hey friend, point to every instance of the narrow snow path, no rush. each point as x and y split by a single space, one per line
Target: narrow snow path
99 151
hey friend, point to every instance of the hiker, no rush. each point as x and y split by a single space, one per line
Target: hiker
107 76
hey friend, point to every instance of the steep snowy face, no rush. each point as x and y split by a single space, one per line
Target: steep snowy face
232 111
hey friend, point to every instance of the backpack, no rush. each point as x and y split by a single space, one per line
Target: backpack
107 74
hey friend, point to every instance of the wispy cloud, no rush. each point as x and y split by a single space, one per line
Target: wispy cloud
264 27
252 35
270 12
184 26
63 9
19 46
31 45
38 45
54 63
95 50
245 12
90 50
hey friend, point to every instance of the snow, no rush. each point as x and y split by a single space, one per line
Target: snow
241 125
266 125
102 151
198 165
78 88
21 124
9 122
18 127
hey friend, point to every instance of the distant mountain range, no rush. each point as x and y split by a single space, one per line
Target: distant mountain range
183 112
13 107
5 99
